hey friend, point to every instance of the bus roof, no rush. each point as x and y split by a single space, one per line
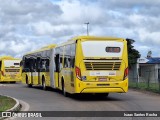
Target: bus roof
90 38
95 38
8 58
48 47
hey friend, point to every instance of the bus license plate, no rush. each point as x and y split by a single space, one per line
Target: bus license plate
102 79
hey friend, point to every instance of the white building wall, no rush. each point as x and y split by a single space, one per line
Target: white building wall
133 73
148 72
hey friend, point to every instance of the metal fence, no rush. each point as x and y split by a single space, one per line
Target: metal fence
146 78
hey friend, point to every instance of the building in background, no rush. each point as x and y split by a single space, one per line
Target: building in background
146 69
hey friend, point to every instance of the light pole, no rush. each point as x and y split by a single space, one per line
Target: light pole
87 28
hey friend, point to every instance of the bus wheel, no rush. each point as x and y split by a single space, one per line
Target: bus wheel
29 85
102 95
63 89
43 84
13 82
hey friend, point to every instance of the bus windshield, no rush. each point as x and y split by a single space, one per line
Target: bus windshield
12 63
102 48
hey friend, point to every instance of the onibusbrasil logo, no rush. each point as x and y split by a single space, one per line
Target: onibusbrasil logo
21 114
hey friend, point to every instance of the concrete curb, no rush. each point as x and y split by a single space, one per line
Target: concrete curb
16 107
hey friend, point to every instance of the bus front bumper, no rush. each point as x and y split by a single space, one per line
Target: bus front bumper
8 79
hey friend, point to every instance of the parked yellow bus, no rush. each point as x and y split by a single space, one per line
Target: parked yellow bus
88 64
37 67
10 69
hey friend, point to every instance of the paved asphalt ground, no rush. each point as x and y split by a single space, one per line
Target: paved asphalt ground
51 100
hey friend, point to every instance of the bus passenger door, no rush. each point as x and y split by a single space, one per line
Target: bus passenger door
57 70
38 69
33 70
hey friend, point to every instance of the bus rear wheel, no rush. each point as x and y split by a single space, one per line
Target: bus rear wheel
63 90
43 84
29 85
13 82
102 95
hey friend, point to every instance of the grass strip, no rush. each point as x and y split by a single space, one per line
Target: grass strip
153 87
6 103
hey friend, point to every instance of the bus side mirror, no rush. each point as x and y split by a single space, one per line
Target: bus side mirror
21 63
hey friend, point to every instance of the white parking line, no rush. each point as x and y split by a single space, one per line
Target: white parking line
9 85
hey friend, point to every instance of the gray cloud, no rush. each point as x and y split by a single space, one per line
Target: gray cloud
26 25
16 20
25 11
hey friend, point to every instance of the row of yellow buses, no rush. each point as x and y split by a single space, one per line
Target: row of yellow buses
84 64
10 69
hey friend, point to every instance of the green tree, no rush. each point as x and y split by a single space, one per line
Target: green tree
133 54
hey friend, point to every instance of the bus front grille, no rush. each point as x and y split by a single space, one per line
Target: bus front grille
102 64
12 70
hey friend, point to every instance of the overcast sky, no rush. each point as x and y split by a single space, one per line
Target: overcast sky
26 25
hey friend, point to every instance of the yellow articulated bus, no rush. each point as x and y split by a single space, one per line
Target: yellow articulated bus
10 69
37 67
86 64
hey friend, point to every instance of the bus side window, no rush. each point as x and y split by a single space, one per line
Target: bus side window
38 62
73 52
67 56
61 64
43 64
47 65
25 65
32 64
35 65
57 63
67 62
72 62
